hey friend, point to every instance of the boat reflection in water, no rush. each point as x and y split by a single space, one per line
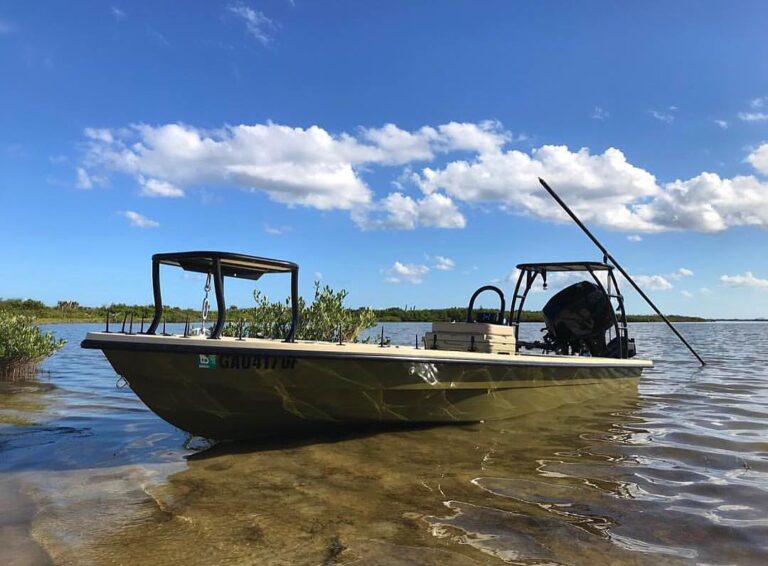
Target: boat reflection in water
534 488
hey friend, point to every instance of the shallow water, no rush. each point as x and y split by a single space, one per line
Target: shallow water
675 473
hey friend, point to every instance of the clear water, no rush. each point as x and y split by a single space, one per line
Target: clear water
675 474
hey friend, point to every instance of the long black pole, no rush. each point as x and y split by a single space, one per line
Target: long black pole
626 275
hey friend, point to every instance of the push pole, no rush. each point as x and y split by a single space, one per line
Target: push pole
626 275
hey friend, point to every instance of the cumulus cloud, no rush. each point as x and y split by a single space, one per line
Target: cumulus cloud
635 238
315 168
406 273
402 212
600 114
652 282
721 123
709 203
759 159
258 26
117 13
753 116
140 221
600 187
746 280
158 188
442 263
680 273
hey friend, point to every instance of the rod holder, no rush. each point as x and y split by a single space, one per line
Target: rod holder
125 317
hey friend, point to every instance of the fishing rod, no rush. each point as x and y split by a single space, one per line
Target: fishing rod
626 275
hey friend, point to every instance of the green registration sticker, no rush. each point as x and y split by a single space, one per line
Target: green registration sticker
206 361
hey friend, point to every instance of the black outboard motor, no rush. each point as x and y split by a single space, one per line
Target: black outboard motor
577 318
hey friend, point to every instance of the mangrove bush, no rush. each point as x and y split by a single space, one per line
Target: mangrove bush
325 318
23 346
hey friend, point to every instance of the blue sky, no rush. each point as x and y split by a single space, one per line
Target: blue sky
391 148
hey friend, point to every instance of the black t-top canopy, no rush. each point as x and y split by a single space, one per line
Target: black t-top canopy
220 265
565 266
232 264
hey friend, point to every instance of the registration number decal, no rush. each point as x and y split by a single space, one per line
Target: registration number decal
247 361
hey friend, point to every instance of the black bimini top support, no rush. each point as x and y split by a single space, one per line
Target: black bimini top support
220 265
530 271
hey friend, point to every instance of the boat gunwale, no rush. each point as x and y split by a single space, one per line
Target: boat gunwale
154 343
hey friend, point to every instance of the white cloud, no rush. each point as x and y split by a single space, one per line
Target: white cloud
687 294
402 212
117 13
680 273
292 165
635 238
406 273
392 145
276 230
721 123
601 188
652 282
600 114
709 203
753 116
99 134
256 23
443 263
759 159
140 221
706 291
83 179
315 168
158 188
665 117
746 280
87 180
758 102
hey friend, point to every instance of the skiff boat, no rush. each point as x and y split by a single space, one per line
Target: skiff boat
230 387
234 387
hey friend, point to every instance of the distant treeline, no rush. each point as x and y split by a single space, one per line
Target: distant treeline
397 314
71 311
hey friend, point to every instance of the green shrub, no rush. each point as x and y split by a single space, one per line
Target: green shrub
23 345
320 320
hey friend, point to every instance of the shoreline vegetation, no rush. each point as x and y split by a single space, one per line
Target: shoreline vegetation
71 311
23 346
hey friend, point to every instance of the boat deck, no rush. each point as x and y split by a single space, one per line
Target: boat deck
349 350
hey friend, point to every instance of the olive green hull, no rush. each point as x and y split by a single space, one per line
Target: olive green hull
236 396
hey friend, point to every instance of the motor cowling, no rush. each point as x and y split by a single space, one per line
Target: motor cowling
577 318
